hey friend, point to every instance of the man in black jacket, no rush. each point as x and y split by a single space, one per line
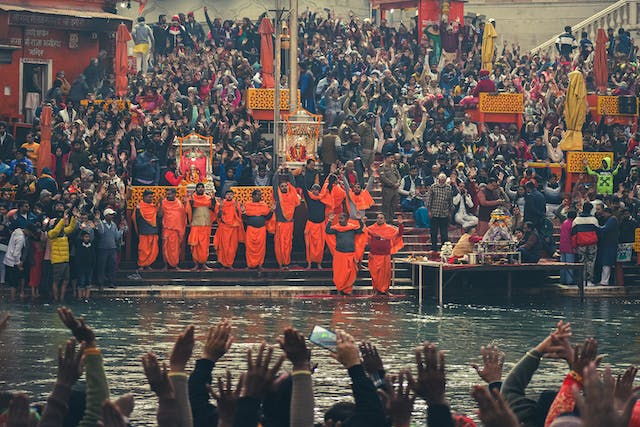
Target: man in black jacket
534 205
7 144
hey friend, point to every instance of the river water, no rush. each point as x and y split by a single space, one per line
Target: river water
128 328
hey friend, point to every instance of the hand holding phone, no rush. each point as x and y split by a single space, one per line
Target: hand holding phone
324 338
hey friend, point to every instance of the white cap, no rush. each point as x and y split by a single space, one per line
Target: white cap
109 211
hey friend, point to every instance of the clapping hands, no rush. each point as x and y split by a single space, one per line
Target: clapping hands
80 330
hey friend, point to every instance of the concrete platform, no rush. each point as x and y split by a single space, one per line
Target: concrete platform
598 291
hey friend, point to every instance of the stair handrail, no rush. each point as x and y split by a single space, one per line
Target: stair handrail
604 12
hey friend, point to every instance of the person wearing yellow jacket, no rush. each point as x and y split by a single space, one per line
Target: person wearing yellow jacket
58 236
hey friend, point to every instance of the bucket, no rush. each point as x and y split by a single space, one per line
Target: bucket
473 258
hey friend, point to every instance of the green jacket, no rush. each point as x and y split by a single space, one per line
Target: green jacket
605 177
97 387
513 388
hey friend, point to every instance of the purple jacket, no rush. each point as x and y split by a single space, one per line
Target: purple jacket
566 246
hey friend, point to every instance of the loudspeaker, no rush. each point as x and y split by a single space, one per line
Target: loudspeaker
627 105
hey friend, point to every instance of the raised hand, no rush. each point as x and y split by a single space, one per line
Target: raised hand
492 363
346 350
4 320
259 378
560 345
431 380
295 348
494 411
111 415
371 361
218 341
583 356
19 414
597 407
158 377
226 399
624 387
182 349
70 363
78 327
398 400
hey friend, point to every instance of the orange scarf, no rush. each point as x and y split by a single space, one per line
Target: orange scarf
200 201
230 213
289 201
148 212
256 209
362 201
342 228
388 232
174 215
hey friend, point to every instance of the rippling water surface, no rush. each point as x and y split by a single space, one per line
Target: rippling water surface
128 328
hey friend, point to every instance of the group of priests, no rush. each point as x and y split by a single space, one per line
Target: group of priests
335 220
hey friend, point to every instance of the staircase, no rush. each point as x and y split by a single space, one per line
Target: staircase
622 14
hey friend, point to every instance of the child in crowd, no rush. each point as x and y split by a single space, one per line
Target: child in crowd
85 260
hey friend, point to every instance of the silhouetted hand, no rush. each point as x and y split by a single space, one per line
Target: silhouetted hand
583 356
125 404
559 345
431 380
624 387
182 350
111 416
597 407
19 414
259 378
492 363
226 399
346 350
295 348
398 401
78 328
218 341
371 361
70 363
494 411
158 377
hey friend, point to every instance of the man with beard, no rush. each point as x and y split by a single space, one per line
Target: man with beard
174 225
201 210
255 215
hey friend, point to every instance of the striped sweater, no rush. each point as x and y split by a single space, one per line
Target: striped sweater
584 231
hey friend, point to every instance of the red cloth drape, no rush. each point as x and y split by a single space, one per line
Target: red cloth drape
121 60
266 52
44 156
600 61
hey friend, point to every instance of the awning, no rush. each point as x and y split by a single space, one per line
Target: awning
62 18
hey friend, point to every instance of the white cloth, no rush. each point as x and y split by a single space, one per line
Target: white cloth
14 250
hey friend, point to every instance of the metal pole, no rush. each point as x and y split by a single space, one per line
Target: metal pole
276 96
293 56
440 285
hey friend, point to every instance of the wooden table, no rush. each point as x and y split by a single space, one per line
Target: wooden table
443 267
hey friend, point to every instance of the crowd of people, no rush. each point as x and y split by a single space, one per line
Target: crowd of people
393 110
268 395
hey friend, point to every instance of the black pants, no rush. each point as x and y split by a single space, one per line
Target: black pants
442 225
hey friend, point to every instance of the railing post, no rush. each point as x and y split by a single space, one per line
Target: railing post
633 13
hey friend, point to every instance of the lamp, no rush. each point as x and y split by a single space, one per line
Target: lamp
123 5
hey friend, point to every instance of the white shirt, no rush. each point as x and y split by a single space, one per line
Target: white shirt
15 247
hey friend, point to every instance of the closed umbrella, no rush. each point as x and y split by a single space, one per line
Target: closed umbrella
600 61
575 112
44 154
266 52
488 46
121 63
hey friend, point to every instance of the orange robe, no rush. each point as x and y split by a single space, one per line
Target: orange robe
362 202
147 243
174 226
256 237
230 232
315 235
564 401
338 195
345 268
384 241
200 233
283 239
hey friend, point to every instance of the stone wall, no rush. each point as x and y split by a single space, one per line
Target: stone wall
531 22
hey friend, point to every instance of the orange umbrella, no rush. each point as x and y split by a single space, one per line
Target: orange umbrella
266 52
600 61
44 156
121 63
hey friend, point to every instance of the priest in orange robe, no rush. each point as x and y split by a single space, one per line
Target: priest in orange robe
287 200
345 269
255 215
317 201
145 223
384 241
174 227
358 201
201 212
230 230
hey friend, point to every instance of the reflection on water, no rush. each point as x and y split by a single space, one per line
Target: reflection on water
126 329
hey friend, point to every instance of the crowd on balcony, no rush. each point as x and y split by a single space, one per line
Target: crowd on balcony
393 108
